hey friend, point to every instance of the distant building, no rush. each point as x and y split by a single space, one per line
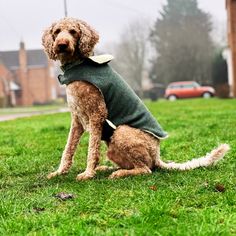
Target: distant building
5 83
230 54
27 77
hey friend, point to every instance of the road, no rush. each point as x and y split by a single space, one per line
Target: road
29 114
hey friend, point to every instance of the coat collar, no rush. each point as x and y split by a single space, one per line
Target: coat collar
101 59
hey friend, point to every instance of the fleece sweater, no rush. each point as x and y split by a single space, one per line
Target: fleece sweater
123 105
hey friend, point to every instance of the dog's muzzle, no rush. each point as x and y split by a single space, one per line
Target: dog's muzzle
62 47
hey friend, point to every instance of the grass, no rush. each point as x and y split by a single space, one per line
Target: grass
164 203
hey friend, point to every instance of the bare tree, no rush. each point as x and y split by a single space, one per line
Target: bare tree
131 53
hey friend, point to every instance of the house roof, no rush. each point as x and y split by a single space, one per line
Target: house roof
35 58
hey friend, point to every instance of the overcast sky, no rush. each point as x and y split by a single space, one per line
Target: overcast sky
26 19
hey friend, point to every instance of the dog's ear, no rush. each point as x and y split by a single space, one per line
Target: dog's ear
47 42
88 39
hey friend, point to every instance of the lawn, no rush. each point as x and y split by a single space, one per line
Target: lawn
164 203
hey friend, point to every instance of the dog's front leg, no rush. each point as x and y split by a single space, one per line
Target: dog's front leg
93 152
76 130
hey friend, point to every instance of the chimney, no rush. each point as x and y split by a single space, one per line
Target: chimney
23 75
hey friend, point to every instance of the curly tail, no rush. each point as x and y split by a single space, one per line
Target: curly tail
208 160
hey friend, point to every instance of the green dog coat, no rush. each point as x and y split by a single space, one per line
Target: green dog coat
123 105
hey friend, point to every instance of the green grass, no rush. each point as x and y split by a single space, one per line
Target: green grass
164 203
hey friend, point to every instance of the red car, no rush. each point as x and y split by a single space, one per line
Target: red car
188 89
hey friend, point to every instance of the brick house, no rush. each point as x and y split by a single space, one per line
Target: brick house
31 77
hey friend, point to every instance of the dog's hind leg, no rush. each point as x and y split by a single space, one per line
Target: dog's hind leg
131 163
106 168
124 173
131 150
76 130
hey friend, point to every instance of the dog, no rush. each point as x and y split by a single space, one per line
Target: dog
104 105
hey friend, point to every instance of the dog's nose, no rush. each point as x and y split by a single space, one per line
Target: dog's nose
62 46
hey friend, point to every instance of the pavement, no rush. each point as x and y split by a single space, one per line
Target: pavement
29 114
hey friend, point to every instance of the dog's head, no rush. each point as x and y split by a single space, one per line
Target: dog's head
69 39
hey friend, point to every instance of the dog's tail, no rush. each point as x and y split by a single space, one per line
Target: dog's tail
208 160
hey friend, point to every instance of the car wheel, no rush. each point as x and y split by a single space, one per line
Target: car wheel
206 95
172 98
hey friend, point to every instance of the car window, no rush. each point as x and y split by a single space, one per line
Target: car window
196 84
174 86
188 86
184 86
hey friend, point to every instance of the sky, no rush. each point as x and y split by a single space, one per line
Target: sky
25 20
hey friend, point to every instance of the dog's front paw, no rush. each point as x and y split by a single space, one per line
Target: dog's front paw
85 176
116 174
53 174
57 172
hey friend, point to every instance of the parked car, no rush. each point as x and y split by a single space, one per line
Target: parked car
188 89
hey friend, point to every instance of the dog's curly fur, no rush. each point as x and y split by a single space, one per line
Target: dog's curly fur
134 151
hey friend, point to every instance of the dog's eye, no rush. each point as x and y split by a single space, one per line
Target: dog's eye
57 31
72 31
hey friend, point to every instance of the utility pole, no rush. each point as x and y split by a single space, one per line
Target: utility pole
231 11
65 8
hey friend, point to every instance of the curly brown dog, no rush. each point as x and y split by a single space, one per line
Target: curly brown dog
105 106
